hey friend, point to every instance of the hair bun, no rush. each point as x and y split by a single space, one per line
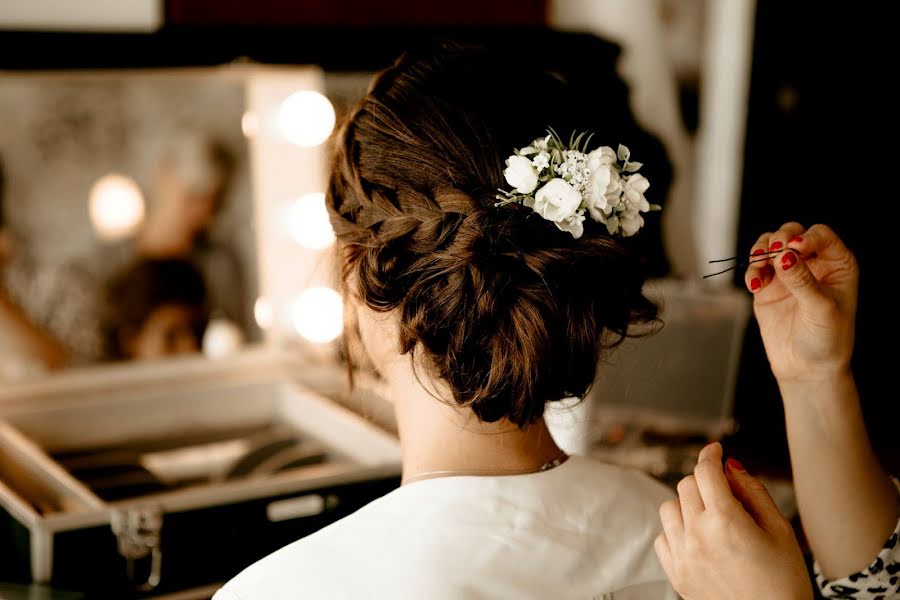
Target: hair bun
509 313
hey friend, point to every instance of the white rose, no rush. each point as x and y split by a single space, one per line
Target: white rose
612 224
601 156
604 189
557 200
520 174
634 188
573 224
631 223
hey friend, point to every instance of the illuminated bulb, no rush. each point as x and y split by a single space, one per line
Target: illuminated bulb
263 313
221 338
116 207
308 222
306 118
318 315
250 124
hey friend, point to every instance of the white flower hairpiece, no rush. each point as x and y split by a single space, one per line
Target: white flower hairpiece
561 183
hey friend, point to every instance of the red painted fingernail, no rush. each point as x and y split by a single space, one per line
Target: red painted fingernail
788 260
775 246
708 444
796 240
758 251
755 284
735 465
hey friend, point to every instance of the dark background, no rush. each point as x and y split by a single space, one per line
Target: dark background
822 147
821 136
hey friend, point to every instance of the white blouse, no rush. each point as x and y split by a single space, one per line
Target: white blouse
584 529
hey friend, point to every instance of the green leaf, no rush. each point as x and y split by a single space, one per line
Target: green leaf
587 142
555 137
655 207
576 144
633 167
623 153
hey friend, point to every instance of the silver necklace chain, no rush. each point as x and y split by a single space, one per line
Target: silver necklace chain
488 472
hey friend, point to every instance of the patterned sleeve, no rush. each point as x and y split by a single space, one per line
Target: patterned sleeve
879 581
64 300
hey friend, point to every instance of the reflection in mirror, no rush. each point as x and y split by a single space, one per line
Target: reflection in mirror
125 222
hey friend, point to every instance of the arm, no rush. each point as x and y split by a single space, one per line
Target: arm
847 503
19 336
805 303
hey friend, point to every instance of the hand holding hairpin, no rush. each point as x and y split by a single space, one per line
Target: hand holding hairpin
804 301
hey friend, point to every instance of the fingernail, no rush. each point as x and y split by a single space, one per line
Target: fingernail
735 465
775 246
708 444
788 260
796 240
755 284
758 251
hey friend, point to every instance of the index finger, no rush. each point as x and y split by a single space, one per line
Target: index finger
711 478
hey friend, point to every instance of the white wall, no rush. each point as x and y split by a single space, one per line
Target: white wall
724 94
81 15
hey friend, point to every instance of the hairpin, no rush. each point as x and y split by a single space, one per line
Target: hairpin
764 256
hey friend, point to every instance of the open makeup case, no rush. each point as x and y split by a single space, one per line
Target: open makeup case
149 481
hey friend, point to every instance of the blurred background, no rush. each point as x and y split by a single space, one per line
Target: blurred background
162 218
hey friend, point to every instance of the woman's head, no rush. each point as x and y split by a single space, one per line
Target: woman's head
503 307
155 308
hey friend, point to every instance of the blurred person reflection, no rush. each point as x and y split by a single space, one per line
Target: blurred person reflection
155 308
191 183
60 309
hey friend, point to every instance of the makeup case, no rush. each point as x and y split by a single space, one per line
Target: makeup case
157 481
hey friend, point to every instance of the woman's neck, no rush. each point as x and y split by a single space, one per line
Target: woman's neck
440 438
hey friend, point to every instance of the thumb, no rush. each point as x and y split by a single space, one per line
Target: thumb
753 495
794 274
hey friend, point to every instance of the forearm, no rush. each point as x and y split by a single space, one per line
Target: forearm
22 338
847 504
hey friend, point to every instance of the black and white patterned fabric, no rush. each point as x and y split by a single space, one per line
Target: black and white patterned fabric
879 581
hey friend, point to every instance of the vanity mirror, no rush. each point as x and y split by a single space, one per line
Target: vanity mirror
160 213
127 216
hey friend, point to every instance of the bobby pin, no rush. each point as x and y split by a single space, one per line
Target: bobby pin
764 256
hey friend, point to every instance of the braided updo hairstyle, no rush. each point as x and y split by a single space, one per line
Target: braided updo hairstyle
509 311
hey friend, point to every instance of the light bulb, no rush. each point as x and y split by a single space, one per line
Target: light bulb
318 314
250 124
308 222
116 207
262 311
221 338
306 118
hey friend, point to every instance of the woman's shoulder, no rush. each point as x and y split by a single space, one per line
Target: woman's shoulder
580 513
623 483
325 561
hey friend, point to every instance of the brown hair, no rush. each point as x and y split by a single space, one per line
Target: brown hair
509 311
145 285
